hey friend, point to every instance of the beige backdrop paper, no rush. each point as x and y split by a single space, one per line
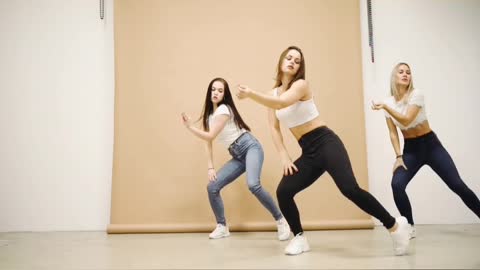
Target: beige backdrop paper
166 53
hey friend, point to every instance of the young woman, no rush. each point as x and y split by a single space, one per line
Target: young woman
221 119
291 103
405 108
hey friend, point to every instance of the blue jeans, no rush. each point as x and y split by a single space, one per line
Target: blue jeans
428 150
247 155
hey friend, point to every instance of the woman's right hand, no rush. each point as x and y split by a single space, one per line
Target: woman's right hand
377 106
186 120
289 168
212 175
398 163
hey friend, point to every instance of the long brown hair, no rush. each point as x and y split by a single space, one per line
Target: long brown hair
301 70
227 100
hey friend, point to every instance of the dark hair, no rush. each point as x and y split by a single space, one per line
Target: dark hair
227 100
301 70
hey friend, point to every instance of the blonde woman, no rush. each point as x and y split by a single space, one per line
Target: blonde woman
405 109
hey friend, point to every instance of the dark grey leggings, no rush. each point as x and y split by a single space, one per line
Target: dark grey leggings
323 151
428 150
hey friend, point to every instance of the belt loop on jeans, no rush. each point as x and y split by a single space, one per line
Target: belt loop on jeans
236 140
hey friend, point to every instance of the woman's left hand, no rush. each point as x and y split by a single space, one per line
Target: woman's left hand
399 163
243 91
377 106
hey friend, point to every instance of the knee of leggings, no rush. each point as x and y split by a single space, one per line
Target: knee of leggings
350 191
283 193
398 184
459 187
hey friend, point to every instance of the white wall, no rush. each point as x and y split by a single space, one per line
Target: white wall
56 115
440 39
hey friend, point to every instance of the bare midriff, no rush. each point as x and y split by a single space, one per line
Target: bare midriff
303 129
417 131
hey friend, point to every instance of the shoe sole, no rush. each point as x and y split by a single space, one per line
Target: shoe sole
284 238
293 254
304 250
219 237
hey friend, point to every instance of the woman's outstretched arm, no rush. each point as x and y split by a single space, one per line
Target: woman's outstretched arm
296 92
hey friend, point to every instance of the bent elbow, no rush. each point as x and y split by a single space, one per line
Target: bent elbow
210 138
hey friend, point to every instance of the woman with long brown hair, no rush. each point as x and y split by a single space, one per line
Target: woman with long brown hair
291 103
220 119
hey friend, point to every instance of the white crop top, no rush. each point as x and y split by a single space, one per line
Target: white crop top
298 113
415 98
230 132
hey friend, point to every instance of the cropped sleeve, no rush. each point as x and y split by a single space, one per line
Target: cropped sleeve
416 98
222 109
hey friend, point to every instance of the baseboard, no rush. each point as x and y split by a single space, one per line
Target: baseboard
351 224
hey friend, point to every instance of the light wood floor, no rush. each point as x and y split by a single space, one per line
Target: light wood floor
436 246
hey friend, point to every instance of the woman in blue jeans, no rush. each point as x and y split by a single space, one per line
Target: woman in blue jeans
220 119
405 108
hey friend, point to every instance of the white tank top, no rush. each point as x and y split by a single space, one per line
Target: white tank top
298 113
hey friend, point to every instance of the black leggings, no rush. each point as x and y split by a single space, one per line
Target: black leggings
323 151
428 149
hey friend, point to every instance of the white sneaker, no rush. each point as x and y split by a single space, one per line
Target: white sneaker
401 237
413 233
283 230
219 232
297 245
